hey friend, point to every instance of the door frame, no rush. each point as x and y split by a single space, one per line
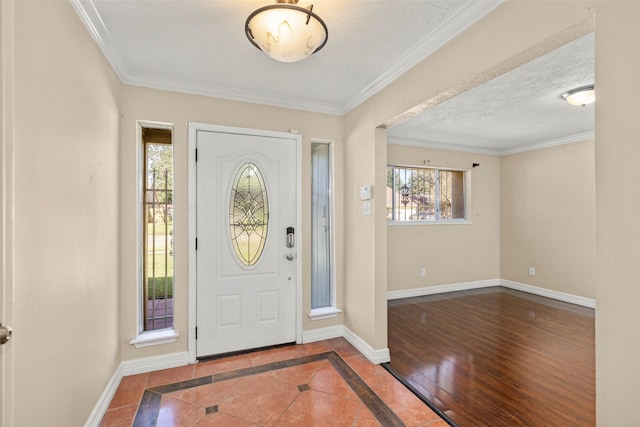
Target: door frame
193 129
7 59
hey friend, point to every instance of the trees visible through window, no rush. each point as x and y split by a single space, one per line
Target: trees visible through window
424 194
157 229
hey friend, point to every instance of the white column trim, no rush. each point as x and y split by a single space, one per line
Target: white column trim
375 356
7 167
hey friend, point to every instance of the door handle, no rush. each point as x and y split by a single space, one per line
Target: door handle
5 334
290 257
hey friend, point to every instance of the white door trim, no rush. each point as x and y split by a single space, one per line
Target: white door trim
192 194
7 143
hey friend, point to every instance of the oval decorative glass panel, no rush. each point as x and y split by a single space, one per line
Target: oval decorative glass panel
248 214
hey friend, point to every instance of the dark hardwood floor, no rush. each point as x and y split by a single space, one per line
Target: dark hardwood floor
497 357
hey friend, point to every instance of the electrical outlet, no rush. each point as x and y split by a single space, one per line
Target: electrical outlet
532 271
423 272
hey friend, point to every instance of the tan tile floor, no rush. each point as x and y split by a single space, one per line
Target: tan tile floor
328 383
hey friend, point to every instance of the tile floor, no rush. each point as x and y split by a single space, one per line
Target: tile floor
327 383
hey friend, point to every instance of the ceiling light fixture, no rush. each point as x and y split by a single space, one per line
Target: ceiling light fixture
581 96
286 32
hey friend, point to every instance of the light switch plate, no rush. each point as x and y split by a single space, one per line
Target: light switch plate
365 192
366 209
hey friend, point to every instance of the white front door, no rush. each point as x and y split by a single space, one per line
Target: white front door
245 262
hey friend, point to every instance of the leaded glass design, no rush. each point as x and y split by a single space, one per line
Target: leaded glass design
248 214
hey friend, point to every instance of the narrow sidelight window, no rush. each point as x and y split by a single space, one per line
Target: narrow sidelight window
321 277
157 228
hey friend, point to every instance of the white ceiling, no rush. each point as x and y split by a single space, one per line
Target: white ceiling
200 47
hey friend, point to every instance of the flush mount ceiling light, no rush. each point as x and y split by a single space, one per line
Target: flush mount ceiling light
286 32
581 96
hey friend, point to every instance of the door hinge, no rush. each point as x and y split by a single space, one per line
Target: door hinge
196 243
196 154
196 332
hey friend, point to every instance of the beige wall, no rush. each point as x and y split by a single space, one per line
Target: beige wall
617 214
66 195
462 63
178 109
537 24
359 239
65 267
451 253
548 218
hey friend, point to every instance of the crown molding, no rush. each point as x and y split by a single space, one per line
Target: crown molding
93 22
449 29
90 17
550 143
443 146
194 88
493 151
472 13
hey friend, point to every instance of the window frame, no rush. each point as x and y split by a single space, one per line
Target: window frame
160 336
436 221
331 310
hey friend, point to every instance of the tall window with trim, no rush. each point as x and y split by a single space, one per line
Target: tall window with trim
321 286
425 194
157 229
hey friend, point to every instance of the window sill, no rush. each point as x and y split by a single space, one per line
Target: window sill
440 222
324 313
147 339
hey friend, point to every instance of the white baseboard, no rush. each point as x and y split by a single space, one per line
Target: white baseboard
375 356
322 334
560 296
105 399
154 363
440 289
132 367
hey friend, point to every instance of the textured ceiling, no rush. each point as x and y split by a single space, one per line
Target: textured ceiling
518 109
200 47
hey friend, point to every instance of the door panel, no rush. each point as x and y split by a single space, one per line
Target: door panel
246 199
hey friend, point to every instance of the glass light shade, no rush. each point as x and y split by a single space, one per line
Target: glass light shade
286 32
580 96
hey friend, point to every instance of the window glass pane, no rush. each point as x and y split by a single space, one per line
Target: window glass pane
320 226
424 194
413 195
451 194
391 193
158 229
248 214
